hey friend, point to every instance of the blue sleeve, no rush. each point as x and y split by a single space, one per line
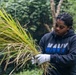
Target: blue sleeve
42 44
43 41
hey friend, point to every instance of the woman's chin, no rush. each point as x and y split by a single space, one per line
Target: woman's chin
57 33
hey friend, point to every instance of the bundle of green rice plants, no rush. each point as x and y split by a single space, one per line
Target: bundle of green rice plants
15 42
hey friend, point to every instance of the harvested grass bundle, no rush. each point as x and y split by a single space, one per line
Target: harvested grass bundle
15 42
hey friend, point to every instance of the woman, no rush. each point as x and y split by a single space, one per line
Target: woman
59 47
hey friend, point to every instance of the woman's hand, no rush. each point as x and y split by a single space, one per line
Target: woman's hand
40 58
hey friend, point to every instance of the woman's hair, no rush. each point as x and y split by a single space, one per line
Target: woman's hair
67 18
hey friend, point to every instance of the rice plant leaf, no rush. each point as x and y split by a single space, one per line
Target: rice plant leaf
12 32
15 42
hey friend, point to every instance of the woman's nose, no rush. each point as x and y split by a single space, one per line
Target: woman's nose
57 28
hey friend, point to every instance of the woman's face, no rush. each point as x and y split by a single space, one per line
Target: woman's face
60 27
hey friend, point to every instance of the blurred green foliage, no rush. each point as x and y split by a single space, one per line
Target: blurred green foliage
32 72
33 14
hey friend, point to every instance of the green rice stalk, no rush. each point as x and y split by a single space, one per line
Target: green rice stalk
15 42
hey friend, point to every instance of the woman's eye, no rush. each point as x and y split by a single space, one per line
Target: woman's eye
60 26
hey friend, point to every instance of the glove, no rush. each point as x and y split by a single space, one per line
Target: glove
33 60
41 58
